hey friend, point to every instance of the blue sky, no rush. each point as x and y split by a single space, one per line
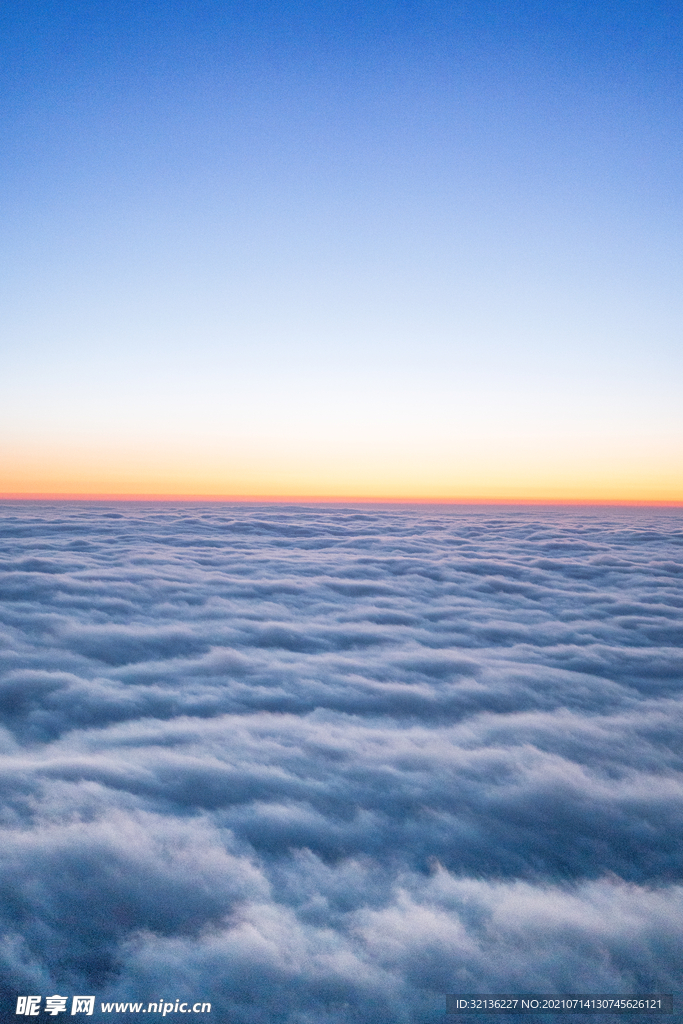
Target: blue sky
426 248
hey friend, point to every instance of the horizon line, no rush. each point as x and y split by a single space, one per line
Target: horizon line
325 499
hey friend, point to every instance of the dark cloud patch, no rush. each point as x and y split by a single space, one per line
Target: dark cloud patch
322 764
123 645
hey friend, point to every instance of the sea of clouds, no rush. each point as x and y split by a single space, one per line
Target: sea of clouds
325 764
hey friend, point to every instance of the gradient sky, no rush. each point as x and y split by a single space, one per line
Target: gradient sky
406 249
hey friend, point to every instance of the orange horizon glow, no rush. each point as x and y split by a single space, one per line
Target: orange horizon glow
342 499
488 471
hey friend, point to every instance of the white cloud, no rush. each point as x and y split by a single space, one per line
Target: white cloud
327 763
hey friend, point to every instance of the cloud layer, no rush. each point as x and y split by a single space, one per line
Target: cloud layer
326 764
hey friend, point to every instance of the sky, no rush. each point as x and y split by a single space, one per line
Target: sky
420 250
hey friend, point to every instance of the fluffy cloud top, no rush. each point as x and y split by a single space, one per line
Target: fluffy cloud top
327 764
